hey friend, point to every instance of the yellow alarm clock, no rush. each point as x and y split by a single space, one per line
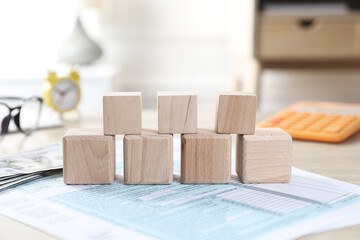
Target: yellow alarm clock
62 93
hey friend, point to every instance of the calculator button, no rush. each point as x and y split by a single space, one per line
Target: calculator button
332 117
341 123
298 116
298 127
324 122
315 128
333 129
307 123
348 118
313 118
284 125
317 116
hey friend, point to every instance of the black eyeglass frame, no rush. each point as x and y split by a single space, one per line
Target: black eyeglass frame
16 118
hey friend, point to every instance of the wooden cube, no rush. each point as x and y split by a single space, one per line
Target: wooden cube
264 157
177 112
235 113
205 157
122 113
148 158
89 156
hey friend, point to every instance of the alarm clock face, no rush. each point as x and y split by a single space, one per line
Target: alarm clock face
65 94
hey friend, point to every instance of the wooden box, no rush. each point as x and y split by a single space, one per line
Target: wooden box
308 38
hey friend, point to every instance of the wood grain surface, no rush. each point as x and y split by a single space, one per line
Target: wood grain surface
265 157
235 113
205 157
89 156
122 113
177 113
148 158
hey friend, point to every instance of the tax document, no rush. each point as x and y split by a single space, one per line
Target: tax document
309 203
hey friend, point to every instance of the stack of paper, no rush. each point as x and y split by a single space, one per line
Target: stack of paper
25 166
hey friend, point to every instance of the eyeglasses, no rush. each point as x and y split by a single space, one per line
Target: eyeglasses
24 112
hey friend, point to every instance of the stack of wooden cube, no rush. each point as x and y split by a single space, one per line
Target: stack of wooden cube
262 155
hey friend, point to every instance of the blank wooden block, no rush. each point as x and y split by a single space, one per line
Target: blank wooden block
205 157
177 113
89 157
235 113
122 113
148 158
264 157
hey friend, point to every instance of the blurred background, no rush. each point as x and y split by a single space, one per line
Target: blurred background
285 51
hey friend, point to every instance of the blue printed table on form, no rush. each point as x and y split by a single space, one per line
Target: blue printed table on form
179 211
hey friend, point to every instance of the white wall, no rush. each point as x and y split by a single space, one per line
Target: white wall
31 33
155 45
169 45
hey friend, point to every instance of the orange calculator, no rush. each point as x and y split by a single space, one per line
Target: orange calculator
317 121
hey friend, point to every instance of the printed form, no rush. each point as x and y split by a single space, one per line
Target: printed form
309 203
